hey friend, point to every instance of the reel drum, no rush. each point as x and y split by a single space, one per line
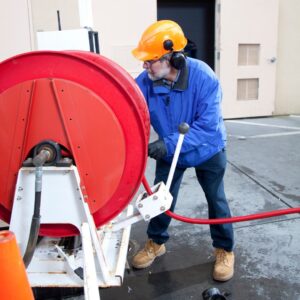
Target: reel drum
88 105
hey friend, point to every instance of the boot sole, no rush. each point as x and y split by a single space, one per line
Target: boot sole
223 279
148 263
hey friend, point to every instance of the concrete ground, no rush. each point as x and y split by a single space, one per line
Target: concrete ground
263 174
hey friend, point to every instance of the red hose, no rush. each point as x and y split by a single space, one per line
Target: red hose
146 186
263 215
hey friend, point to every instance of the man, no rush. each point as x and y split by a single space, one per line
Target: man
179 89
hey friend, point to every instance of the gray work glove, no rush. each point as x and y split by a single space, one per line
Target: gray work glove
157 149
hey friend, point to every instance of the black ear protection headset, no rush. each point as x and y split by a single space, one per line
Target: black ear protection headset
177 59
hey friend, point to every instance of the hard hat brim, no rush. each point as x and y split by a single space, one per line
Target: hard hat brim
141 55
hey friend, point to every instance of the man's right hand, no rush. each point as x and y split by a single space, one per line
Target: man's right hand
157 149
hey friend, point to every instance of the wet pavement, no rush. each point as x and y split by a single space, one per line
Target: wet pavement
263 174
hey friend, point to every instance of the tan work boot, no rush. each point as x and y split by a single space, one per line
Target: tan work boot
145 257
224 265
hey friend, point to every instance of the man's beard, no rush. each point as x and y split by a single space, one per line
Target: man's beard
161 74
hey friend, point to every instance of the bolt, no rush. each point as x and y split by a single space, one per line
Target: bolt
155 197
162 208
140 205
147 217
19 198
20 188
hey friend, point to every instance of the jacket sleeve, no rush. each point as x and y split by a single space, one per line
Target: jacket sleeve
206 120
141 82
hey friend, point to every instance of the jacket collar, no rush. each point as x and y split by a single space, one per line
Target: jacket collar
161 87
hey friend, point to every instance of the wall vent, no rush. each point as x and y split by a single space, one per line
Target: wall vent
247 89
248 54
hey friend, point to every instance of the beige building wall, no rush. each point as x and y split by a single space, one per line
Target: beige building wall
44 14
15 28
288 59
120 25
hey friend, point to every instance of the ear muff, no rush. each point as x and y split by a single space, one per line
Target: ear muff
177 59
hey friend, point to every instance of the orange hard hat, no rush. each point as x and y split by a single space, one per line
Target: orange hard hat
158 39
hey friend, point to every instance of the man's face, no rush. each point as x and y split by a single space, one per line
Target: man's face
157 69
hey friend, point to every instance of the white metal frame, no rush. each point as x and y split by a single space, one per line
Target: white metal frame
103 255
104 251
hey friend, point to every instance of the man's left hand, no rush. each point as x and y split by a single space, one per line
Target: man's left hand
157 149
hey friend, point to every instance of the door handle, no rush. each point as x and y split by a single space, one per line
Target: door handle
272 60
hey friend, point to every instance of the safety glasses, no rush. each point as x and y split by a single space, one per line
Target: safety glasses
149 63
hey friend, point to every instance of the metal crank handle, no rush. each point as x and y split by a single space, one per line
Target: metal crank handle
183 129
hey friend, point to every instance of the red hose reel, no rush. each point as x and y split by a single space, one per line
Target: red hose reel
92 108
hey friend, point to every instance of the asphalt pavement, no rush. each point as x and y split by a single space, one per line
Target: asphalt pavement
263 174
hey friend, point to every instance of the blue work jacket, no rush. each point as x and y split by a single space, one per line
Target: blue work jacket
195 98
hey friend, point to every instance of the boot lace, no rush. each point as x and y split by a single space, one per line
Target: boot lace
221 257
149 247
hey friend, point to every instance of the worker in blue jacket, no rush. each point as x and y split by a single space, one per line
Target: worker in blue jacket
181 89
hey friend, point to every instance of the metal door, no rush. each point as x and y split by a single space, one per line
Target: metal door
246 42
196 18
